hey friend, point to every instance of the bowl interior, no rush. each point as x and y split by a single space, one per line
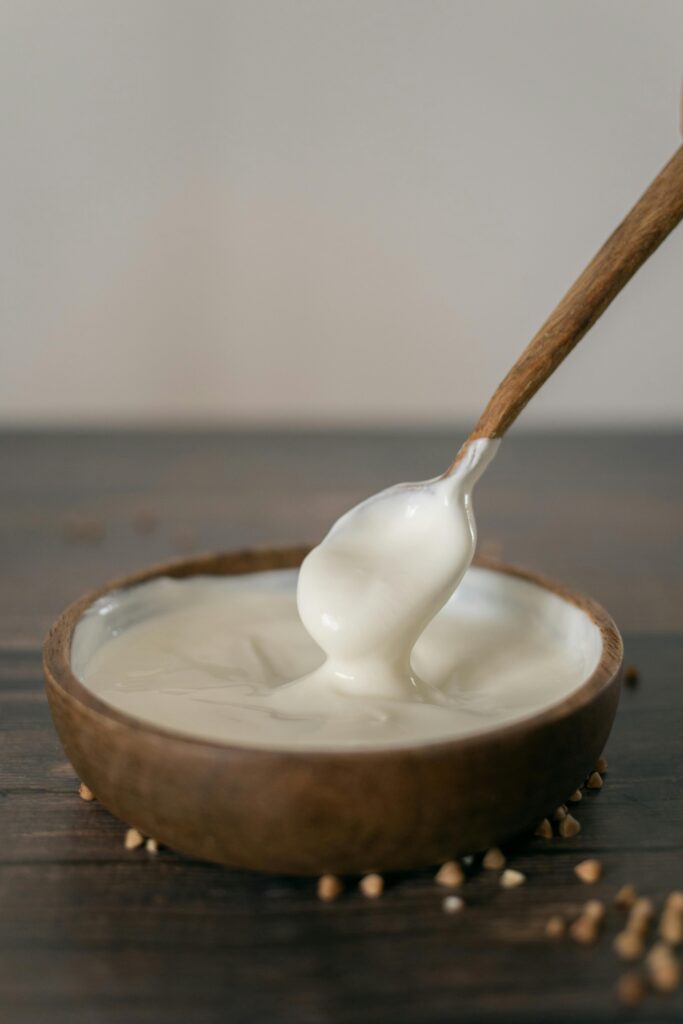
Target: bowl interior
307 811
503 649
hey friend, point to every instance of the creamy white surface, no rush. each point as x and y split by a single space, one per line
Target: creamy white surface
368 590
214 657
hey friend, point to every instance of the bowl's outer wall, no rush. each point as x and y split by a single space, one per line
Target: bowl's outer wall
304 812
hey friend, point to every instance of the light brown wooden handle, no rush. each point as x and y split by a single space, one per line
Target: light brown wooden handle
655 214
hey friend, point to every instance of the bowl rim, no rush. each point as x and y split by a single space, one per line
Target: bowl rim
57 661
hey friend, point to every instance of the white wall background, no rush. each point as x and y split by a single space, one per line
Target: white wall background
327 210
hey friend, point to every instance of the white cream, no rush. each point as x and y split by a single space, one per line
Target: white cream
213 657
381 574
380 652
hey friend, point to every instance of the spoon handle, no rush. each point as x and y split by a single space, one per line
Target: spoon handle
656 213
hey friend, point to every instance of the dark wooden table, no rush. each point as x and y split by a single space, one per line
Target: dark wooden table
92 933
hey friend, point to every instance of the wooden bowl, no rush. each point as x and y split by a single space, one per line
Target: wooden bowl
307 812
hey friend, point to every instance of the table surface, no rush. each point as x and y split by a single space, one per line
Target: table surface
90 932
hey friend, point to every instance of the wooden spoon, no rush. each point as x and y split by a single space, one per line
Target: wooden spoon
656 213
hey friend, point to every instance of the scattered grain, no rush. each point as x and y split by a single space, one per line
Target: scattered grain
544 829
629 945
640 916
555 926
601 765
586 928
663 968
675 900
594 781
631 988
569 827
631 675
511 878
371 886
584 931
329 888
671 926
133 839
560 813
589 871
450 875
85 792
453 904
576 796
626 897
494 859
152 846
595 910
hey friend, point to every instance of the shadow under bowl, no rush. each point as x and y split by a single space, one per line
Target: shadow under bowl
343 811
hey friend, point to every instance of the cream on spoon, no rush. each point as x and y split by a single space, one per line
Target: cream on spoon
214 657
384 570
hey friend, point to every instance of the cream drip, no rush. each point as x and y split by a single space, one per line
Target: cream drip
386 567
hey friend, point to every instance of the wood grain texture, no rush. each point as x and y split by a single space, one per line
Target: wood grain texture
642 231
601 512
91 933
